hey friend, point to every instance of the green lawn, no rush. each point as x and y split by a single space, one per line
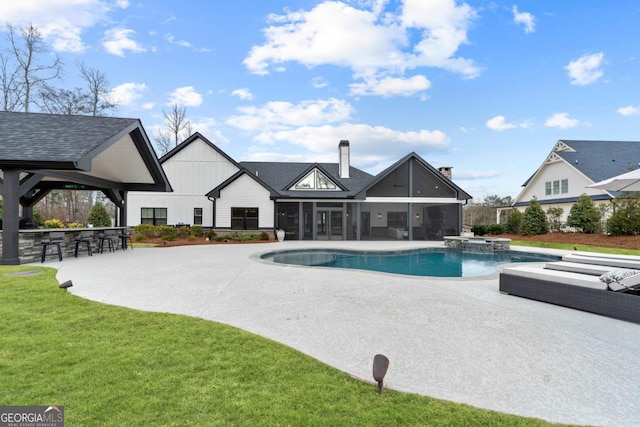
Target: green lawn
111 366
570 247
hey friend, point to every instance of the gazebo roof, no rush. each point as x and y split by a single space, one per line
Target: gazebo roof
100 152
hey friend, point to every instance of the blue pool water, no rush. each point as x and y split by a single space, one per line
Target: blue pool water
419 262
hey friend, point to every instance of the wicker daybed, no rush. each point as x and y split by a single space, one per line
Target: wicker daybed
564 283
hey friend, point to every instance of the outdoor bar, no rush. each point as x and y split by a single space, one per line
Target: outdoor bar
30 247
40 153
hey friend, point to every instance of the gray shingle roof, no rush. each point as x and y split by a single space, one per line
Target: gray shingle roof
600 160
28 138
280 176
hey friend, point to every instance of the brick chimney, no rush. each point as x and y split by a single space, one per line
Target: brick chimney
343 154
446 171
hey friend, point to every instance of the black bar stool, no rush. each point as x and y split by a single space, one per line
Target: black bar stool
84 237
125 237
108 237
55 238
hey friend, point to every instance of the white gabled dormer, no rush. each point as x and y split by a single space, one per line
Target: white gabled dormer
315 180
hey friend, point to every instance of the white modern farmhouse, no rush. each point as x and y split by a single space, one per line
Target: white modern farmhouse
572 166
310 201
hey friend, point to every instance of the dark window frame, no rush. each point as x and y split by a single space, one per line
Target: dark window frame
245 218
155 218
197 218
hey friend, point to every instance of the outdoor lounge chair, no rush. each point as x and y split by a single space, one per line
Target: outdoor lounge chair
584 292
578 267
620 262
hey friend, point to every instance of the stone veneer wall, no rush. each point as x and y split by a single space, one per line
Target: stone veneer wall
30 249
459 242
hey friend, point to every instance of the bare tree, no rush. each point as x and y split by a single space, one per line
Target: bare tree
26 47
98 90
63 101
176 120
9 85
164 141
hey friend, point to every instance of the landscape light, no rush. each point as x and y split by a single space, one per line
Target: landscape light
380 365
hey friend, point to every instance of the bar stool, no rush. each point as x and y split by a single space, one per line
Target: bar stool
83 237
55 238
108 236
125 237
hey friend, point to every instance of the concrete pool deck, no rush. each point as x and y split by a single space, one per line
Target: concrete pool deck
453 339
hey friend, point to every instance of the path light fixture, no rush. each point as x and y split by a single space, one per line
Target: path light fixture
65 285
380 365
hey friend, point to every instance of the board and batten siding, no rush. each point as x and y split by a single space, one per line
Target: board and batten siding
244 192
558 171
192 172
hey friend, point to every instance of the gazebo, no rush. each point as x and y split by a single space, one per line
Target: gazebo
44 152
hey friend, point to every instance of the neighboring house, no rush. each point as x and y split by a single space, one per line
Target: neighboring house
573 165
310 201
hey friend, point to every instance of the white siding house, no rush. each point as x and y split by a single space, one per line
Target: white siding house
192 168
245 192
309 201
571 167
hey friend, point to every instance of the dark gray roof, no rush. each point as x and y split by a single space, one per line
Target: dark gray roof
56 141
280 176
63 147
600 160
562 200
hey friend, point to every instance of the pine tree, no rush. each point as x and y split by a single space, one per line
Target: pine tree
534 220
98 216
584 215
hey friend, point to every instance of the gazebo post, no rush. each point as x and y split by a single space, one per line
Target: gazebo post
10 217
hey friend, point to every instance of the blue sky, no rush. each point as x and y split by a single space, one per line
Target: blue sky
486 87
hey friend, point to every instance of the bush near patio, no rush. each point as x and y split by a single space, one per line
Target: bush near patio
534 220
584 216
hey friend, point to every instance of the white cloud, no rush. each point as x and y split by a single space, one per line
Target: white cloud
499 124
148 106
319 82
183 43
629 110
376 141
127 93
172 40
369 42
586 69
185 96
390 86
243 93
118 40
524 18
122 4
561 121
61 22
282 115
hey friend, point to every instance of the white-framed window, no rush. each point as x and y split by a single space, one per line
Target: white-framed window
560 186
315 180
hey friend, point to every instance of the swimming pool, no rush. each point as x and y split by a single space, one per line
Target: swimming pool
435 262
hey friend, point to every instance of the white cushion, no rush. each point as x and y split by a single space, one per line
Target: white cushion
617 275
